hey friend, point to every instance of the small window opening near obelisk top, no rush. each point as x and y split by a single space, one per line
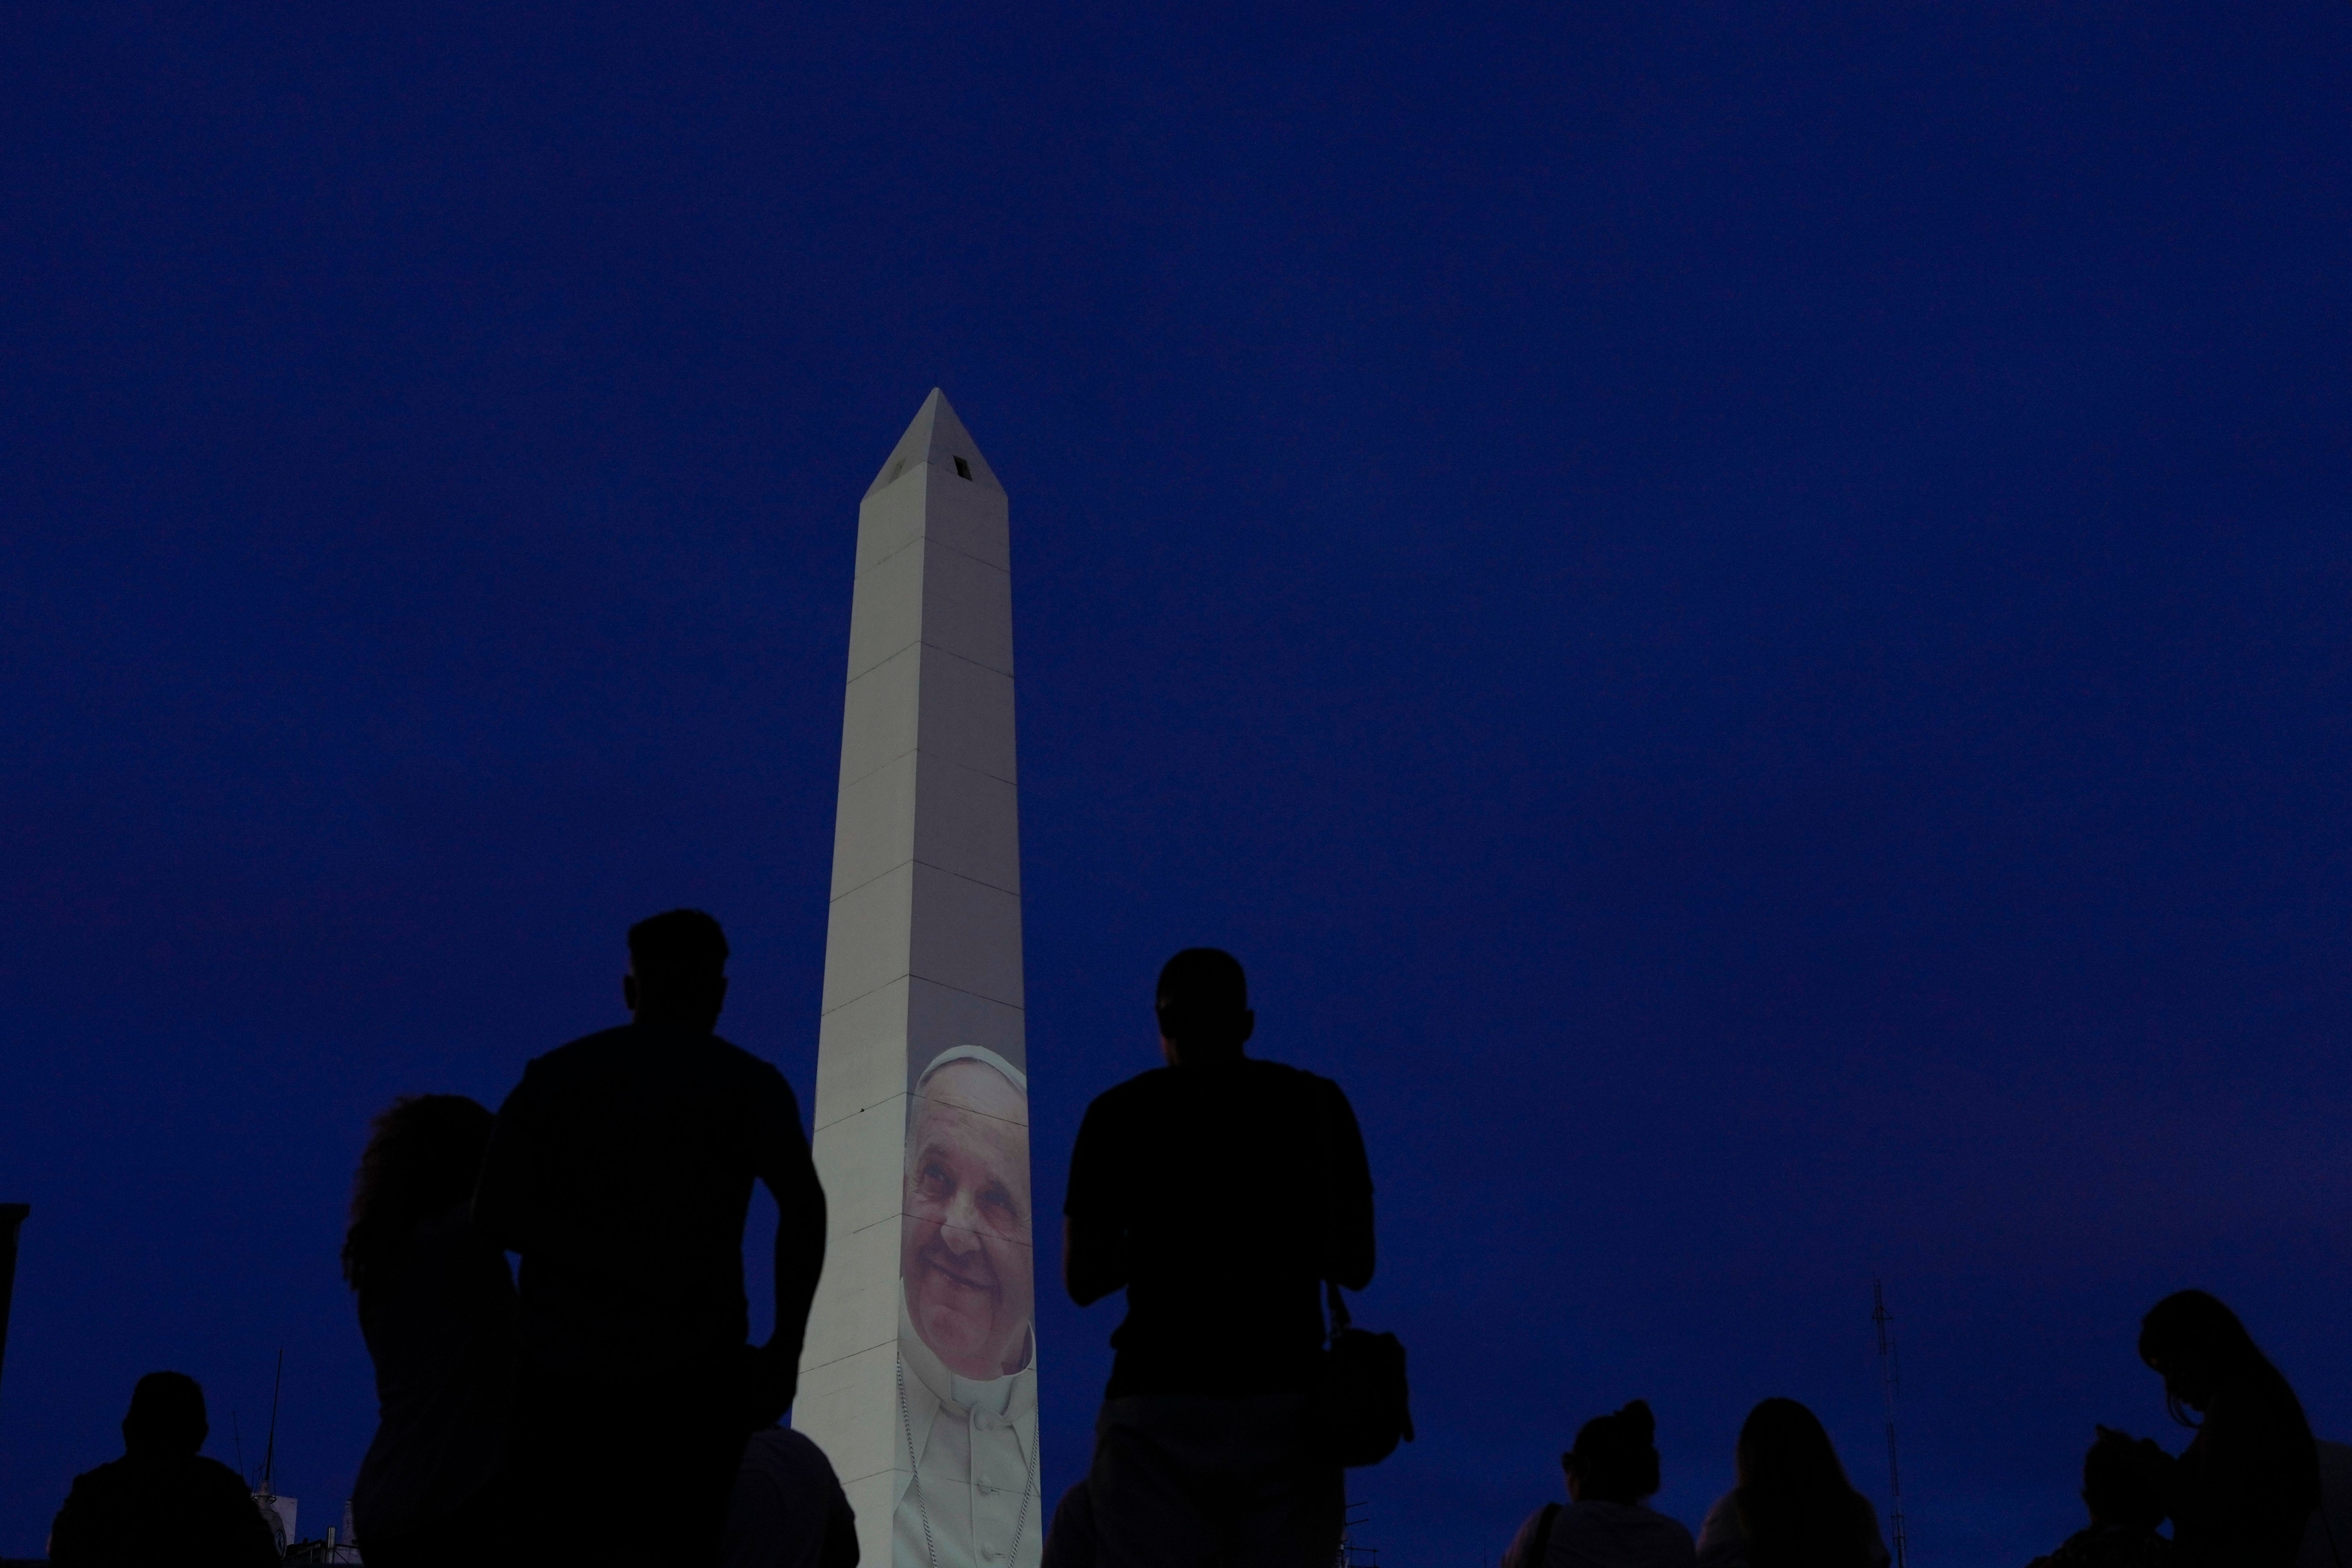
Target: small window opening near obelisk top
964 468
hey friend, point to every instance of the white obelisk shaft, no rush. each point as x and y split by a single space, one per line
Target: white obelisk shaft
932 1429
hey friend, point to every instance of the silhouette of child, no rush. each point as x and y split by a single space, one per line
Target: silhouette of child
2128 1487
162 1502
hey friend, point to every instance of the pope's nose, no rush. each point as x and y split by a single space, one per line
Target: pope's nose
957 1228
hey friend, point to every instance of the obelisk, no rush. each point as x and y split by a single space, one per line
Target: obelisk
920 1373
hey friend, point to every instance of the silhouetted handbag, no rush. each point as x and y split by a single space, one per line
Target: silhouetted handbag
1362 1408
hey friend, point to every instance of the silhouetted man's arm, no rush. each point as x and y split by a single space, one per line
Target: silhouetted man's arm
800 1249
1094 1259
70 1535
1351 1259
790 1178
1094 1234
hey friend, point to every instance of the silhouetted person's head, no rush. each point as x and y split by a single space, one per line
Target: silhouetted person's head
678 971
2127 1482
2205 1356
1796 1506
2197 1345
167 1418
423 1157
1203 1007
1615 1458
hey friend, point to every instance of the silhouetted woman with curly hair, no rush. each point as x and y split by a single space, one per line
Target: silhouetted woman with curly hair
437 1306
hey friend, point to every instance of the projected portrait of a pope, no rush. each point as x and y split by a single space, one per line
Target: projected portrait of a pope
967 1338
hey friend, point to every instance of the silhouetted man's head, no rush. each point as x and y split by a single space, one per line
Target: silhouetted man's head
167 1416
678 970
1203 1007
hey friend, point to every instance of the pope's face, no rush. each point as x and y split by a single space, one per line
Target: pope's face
965 1245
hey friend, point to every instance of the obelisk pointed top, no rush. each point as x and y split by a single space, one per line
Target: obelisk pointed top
935 436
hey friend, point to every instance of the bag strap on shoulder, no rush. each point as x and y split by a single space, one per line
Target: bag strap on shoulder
1541 1544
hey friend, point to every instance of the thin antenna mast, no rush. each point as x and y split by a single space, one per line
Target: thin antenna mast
1887 1379
270 1455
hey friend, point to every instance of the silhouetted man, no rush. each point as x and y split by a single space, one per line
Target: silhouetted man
1221 1192
621 1169
162 1502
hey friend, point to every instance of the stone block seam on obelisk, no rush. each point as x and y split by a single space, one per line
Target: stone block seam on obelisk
922 1304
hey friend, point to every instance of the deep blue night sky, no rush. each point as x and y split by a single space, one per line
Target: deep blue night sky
1740 611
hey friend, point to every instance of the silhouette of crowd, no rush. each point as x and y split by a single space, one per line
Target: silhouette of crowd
604 1404
2245 1493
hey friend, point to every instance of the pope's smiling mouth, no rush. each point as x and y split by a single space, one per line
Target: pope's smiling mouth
936 1259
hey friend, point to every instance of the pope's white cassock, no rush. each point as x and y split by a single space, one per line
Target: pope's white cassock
973 1501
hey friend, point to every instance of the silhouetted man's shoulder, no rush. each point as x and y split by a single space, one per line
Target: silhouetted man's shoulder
2111 1546
1245 1079
631 1115
216 1483
1227 1182
1254 1112
233 1522
588 1054
1140 1089
212 1473
1281 1078
1266 1120
640 1046
187 1509
641 1072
